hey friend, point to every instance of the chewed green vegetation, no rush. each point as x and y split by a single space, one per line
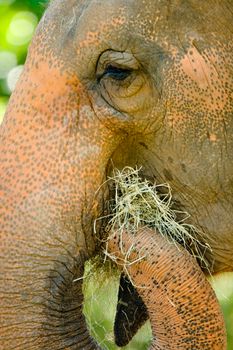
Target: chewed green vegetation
100 289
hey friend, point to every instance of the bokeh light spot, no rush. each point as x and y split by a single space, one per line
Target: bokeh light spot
223 286
8 60
21 28
13 77
3 104
6 2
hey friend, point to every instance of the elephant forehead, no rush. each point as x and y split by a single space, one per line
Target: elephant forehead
148 18
126 24
79 31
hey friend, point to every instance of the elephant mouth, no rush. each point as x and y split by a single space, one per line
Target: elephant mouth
136 201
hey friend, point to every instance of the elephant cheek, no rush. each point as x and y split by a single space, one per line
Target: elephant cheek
52 165
182 306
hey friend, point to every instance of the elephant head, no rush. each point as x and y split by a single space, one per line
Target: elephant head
129 83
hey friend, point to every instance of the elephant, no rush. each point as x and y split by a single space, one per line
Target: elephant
150 85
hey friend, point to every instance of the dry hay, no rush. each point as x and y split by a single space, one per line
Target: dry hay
138 203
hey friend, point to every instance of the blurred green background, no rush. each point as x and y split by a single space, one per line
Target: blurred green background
18 20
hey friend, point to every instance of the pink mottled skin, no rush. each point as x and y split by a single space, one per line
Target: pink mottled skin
115 82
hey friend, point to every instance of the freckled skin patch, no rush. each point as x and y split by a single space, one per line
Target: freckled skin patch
63 130
182 307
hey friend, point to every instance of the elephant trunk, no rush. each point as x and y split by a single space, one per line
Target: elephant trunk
182 306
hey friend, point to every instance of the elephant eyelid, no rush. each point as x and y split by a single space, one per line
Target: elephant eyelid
115 73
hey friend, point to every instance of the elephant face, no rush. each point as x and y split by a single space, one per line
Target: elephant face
122 83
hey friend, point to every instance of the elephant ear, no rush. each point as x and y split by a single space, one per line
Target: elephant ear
131 312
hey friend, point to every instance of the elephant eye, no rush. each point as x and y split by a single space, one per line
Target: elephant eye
115 73
122 81
115 66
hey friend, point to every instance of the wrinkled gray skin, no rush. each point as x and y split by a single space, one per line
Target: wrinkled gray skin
122 82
